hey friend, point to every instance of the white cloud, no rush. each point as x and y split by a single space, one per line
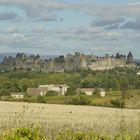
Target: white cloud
122 10
87 34
108 20
34 8
12 30
39 29
17 36
48 17
134 3
86 39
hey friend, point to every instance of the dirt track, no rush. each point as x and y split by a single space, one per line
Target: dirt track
58 116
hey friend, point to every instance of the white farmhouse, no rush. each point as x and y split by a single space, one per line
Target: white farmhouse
43 89
91 91
17 95
87 91
61 89
138 73
102 92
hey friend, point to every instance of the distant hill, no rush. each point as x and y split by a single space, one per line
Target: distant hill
2 55
137 61
48 56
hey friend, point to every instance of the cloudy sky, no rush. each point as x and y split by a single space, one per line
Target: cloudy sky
66 26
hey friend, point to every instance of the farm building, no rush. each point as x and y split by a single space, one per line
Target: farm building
92 91
17 95
43 89
32 91
61 89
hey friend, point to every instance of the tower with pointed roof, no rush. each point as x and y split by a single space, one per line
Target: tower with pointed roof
129 58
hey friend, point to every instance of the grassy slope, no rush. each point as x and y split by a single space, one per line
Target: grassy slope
131 100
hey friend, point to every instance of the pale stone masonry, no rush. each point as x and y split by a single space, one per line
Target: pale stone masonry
70 62
17 95
91 91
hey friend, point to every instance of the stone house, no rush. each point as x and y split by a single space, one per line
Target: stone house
17 95
102 92
32 91
90 91
43 89
61 89
40 91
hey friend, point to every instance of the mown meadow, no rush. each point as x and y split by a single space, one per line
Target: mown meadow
31 121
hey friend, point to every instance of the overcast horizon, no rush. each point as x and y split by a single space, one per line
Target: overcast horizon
54 27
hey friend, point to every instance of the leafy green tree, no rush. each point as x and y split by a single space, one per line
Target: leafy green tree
90 81
81 93
73 80
71 91
25 83
80 100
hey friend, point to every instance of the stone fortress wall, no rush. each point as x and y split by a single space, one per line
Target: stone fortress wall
70 62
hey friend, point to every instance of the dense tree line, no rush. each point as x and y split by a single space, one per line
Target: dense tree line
116 79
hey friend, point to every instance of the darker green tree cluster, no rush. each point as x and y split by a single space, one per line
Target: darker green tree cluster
117 79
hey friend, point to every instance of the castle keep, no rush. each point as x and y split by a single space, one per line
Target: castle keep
70 62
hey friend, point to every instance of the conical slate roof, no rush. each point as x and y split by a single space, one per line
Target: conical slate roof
130 54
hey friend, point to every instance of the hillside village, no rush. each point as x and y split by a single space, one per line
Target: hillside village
70 62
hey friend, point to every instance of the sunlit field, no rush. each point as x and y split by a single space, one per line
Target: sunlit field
57 117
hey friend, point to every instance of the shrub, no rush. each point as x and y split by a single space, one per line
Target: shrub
30 99
23 134
82 93
52 93
80 100
96 92
80 135
41 99
34 134
118 103
71 91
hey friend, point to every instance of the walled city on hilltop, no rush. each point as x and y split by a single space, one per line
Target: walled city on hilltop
70 62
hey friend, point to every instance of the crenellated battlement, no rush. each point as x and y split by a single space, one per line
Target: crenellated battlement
70 62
